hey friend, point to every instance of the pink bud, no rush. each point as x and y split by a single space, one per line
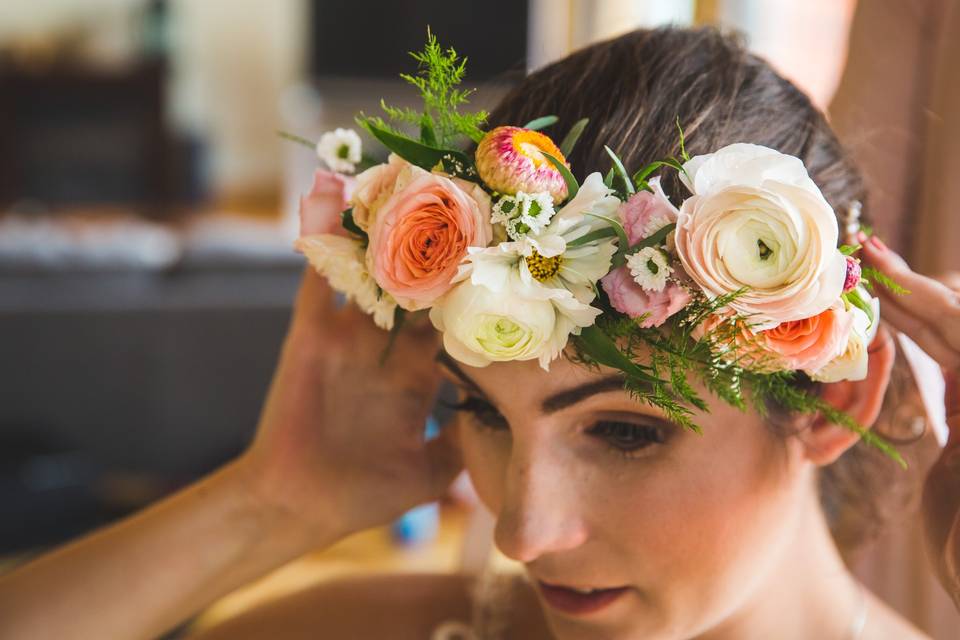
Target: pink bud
853 274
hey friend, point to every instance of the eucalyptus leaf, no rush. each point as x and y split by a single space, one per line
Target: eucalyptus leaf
422 155
572 185
623 243
640 177
596 234
570 140
608 179
348 223
854 298
601 348
621 171
541 123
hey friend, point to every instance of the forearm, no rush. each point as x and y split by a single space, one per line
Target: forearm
150 572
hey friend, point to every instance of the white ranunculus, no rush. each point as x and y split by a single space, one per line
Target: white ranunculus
340 150
341 261
852 363
492 315
757 220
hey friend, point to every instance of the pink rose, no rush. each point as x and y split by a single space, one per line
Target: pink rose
811 343
321 208
421 234
628 297
645 213
373 187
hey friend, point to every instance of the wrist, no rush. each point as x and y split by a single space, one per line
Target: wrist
278 522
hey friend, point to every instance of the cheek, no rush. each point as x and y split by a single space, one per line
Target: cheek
701 528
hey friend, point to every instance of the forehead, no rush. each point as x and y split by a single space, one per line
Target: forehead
527 380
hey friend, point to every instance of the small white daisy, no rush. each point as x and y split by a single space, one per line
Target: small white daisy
523 213
649 268
340 150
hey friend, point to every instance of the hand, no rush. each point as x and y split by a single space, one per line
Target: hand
930 315
340 442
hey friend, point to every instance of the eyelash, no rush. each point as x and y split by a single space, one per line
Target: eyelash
614 432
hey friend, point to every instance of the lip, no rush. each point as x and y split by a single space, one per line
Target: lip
574 603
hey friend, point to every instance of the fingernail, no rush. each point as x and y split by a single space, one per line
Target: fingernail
861 237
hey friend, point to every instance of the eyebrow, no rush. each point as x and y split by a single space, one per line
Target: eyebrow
553 403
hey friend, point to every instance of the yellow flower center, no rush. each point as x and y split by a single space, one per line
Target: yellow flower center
543 268
533 144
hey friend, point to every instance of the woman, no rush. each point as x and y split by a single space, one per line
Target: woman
629 527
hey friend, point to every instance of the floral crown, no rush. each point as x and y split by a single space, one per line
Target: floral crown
740 287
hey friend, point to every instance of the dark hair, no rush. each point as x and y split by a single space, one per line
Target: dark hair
634 89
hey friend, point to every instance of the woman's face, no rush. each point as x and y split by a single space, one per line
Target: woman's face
595 490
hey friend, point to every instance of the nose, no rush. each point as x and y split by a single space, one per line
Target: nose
540 511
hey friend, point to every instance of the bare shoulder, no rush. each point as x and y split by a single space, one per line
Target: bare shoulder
384 606
883 623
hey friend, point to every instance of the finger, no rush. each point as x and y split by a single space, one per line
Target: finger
951 378
926 336
928 298
444 458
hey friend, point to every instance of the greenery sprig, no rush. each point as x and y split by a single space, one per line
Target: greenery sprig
438 77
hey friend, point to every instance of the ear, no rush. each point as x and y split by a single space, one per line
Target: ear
862 400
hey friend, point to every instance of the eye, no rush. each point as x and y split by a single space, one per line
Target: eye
628 436
481 410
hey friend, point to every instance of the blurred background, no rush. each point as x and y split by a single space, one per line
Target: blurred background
147 210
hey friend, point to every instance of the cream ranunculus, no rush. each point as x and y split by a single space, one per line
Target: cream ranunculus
757 220
494 316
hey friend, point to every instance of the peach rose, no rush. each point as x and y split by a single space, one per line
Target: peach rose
421 234
321 208
809 344
372 189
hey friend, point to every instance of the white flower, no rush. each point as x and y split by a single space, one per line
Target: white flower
757 220
852 363
340 150
523 213
649 268
510 321
341 261
555 258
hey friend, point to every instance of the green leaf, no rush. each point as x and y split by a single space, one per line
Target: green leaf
570 140
621 171
348 223
600 347
849 250
655 239
608 179
884 280
572 185
596 234
640 177
623 244
427 135
541 123
853 297
298 139
683 146
414 152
